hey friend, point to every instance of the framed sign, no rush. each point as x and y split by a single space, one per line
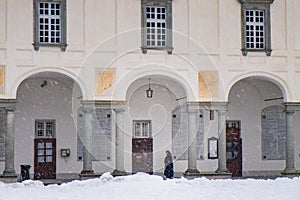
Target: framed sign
212 148
64 152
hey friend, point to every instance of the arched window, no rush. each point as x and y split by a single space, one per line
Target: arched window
273 123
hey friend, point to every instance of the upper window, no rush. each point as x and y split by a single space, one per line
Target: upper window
50 23
157 25
256 30
142 129
45 128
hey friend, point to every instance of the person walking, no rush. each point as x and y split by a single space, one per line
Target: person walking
169 169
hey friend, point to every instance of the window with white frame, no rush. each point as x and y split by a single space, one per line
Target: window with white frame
45 128
255 30
256 26
50 23
142 129
157 25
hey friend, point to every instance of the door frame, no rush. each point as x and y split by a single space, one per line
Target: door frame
45 132
234 126
146 151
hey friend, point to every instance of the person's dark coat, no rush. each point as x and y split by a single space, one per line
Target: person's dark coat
169 169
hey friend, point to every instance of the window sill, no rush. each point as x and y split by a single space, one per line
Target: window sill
267 51
169 49
62 46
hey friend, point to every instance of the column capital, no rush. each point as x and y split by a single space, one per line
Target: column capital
88 106
291 107
8 104
210 105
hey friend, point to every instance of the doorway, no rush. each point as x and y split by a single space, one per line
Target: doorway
142 147
45 150
234 148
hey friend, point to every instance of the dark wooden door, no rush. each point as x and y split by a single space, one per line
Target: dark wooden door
142 155
44 158
234 149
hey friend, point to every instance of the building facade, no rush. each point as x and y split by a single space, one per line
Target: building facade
92 86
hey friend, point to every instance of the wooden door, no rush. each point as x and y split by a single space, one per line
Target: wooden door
234 148
45 158
142 155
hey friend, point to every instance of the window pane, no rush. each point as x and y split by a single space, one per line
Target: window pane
41 159
41 145
48 158
48 145
49 152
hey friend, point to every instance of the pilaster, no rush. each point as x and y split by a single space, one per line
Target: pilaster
88 109
192 170
290 109
10 107
119 147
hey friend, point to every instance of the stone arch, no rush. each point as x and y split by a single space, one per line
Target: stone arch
287 95
23 77
125 83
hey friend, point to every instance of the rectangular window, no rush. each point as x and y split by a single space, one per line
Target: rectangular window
142 129
256 26
45 128
255 30
50 23
156 26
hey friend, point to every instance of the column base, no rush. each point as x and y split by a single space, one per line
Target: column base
292 172
87 172
8 179
191 173
223 171
9 173
117 172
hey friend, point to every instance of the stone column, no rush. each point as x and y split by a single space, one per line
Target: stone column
290 143
192 141
119 147
222 141
87 139
9 142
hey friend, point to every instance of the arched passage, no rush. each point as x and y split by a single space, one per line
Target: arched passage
248 100
149 121
46 111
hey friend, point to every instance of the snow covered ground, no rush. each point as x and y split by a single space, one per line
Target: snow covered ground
143 186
